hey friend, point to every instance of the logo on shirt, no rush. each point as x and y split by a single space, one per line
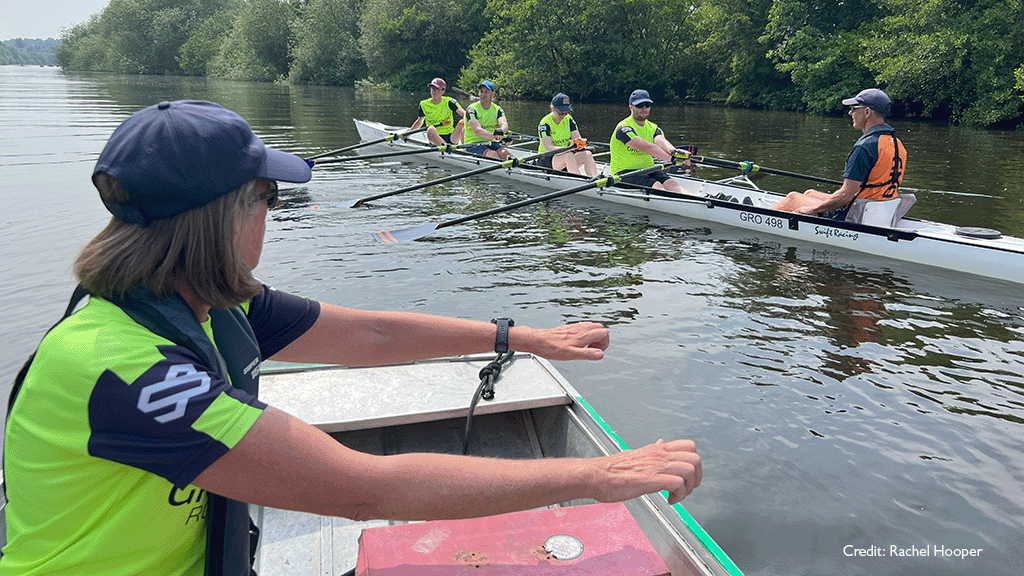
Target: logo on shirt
181 384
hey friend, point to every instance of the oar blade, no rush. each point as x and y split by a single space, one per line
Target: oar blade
406 234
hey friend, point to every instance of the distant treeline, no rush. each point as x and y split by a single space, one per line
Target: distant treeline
952 60
26 51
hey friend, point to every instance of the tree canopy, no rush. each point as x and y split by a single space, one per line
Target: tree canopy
28 51
938 59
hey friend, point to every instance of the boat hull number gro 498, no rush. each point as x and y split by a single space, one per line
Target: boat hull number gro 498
769 221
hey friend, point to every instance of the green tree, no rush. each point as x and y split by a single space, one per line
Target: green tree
83 47
599 48
950 59
28 51
408 42
205 43
257 46
326 46
730 64
817 44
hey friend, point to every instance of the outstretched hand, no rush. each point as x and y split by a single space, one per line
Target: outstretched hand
581 341
673 466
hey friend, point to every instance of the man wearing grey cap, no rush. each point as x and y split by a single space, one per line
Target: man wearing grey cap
135 434
874 169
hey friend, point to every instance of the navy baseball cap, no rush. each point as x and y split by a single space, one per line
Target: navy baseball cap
872 98
487 84
639 97
175 156
561 103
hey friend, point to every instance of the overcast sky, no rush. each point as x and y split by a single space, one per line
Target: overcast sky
44 18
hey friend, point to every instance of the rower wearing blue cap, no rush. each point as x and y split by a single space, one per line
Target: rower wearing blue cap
487 125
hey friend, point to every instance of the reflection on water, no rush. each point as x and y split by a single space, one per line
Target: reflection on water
837 399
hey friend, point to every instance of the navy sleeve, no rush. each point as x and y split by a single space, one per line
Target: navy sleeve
862 159
625 133
278 318
150 423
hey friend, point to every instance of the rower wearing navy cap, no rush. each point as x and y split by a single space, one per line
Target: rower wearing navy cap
638 142
558 129
874 168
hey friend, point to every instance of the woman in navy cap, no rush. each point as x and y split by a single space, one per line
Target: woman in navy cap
135 434
559 129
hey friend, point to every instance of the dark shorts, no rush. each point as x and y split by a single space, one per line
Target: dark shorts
446 137
649 179
483 146
545 162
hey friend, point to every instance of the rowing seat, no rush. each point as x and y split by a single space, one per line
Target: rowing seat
884 213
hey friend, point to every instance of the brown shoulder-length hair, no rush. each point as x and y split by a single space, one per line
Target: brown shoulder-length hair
198 246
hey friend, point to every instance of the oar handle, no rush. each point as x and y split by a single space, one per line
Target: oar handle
387 138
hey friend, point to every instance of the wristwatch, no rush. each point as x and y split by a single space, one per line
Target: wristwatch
501 338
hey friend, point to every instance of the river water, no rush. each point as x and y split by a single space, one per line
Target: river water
840 402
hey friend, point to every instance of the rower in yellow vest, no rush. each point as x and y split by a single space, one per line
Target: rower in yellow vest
487 125
558 129
637 142
438 112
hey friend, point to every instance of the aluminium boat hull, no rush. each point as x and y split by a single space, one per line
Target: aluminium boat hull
423 406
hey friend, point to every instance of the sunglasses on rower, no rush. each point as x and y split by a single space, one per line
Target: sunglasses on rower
271 196
643 105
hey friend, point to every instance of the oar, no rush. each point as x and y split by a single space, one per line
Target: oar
409 234
510 163
387 138
442 149
747 167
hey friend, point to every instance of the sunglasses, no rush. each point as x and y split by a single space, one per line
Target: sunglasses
272 196
852 108
643 105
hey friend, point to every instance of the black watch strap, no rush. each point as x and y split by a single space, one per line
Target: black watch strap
501 338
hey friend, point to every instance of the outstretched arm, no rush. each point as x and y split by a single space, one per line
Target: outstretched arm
656 151
361 338
285 463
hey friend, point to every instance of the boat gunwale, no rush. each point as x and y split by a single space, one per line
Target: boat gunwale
671 527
